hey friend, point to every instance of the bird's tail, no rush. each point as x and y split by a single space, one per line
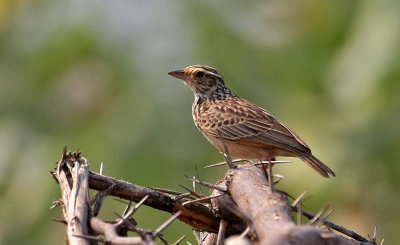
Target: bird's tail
318 166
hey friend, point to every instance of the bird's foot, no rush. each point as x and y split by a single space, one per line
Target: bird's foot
267 167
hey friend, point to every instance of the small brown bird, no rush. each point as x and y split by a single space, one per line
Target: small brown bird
248 130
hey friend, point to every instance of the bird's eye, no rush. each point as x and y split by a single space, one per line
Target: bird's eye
199 74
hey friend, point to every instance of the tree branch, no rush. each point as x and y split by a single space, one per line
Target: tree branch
242 203
271 212
197 215
74 195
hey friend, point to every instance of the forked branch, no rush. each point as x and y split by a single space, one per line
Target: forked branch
242 208
83 228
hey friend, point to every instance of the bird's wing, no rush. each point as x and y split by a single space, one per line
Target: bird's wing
241 121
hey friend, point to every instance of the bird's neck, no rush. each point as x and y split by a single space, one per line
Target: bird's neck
220 92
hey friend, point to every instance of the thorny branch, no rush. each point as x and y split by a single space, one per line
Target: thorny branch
227 212
199 216
72 173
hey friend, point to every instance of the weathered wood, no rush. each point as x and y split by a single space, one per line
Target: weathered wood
197 215
271 213
109 230
242 199
75 198
72 174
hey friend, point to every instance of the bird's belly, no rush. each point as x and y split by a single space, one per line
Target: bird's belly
242 151
248 151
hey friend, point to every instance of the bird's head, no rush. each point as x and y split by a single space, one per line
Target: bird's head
202 80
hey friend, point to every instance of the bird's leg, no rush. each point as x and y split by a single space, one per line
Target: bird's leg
268 159
269 177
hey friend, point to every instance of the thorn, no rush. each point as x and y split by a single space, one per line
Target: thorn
328 214
56 203
60 220
270 179
127 208
121 219
192 192
299 213
179 240
177 198
245 232
228 157
215 165
267 162
101 168
100 196
165 242
316 217
245 160
166 223
294 204
93 238
335 227
194 184
207 184
231 206
202 199
64 152
221 231
132 211
54 175
322 220
78 154
167 191
137 206
197 237
125 220
375 233
279 178
197 175
223 163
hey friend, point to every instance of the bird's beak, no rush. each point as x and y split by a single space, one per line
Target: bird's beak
178 74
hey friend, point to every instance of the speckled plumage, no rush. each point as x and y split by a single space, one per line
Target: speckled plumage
249 130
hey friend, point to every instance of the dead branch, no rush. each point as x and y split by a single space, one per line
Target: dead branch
199 216
271 212
72 174
336 227
110 232
243 208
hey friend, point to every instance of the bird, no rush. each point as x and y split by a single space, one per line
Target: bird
248 130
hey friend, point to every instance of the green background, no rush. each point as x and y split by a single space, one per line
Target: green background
93 75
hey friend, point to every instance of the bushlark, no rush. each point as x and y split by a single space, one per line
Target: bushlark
248 130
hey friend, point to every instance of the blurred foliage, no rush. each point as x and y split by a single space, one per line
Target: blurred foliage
93 75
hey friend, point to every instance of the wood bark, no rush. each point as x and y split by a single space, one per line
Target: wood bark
72 174
197 215
271 212
75 198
